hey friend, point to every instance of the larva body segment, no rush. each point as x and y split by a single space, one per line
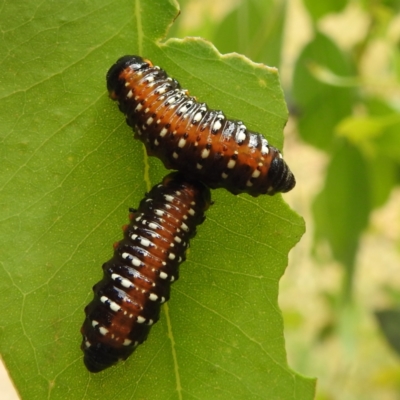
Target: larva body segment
188 136
137 278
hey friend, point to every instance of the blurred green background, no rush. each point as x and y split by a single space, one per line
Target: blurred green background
339 63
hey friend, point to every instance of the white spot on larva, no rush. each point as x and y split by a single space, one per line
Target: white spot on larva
147 110
241 137
138 107
169 198
217 125
127 84
163 263
205 153
136 98
280 155
162 90
149 121
150 79
145 242
127 342
181 142
264 147
231 164
103 330
150 322
172 278
184 227
171 256
113 306
199 166
140 319
163 299
256 173
175 155
185 217
160 213
87 344
156 142
183 109
191 211
129 94
124 282
158 121
171 101
136 262
95 323
249 183
177 239
153 226
163 132
224 175
197 117
153 297
163 275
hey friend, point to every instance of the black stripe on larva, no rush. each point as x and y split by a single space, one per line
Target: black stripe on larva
137 278
188 136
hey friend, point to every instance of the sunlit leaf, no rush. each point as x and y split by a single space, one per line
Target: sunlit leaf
320 105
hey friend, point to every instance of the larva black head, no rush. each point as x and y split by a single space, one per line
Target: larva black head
99 357
280 176
114 83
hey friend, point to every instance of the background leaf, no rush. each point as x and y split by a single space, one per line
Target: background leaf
320 106
317 9
70 172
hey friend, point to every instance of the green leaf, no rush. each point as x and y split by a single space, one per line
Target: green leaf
70 170
318 8
389 322
321 106
342 208
254 28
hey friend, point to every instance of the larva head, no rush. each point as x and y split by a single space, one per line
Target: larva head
101 356
281 178
114 83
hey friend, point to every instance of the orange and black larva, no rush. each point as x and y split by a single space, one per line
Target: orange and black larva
187 136
137 279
